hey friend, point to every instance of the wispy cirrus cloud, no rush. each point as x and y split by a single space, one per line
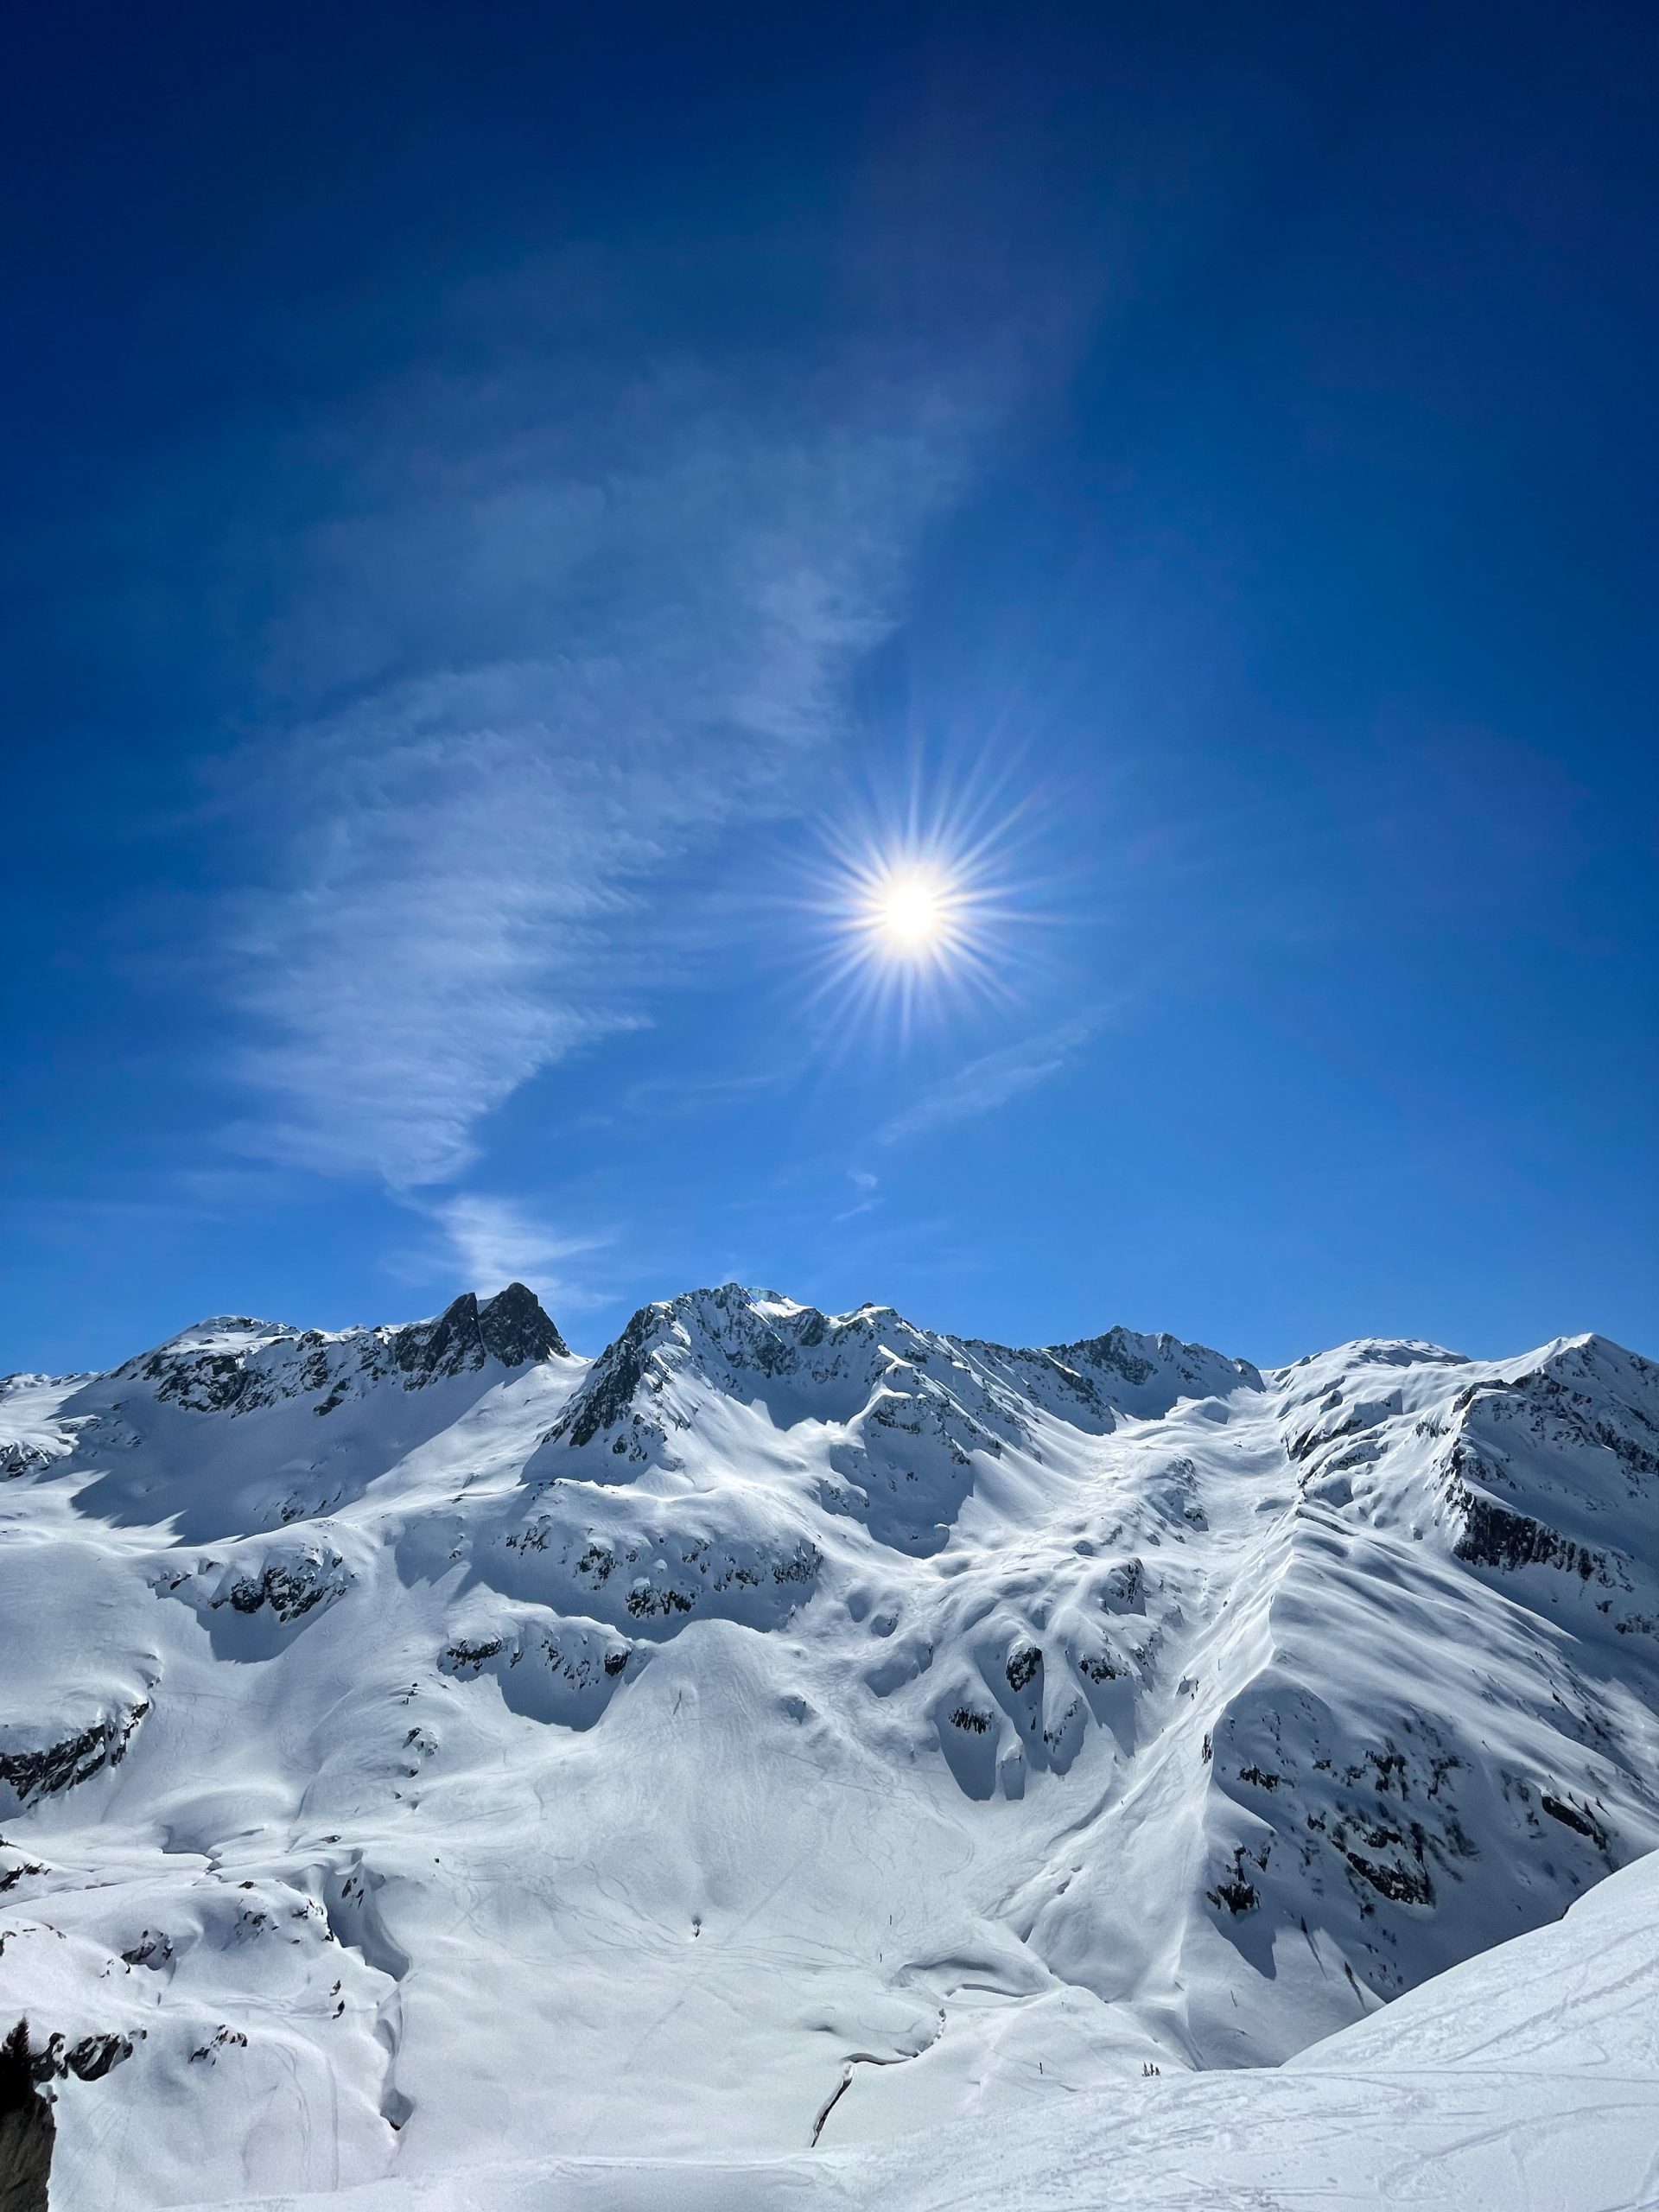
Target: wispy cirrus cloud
983 1084
865 1202
662 1095
614 621
487 1242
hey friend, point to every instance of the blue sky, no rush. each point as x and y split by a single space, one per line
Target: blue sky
503 505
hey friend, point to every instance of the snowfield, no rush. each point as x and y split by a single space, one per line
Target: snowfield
835 1759
1526 2081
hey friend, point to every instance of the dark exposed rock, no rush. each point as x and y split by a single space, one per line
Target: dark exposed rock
1309 1440
425 1352
203 1381
512 1327
647 1603
1122 1590
1111 1350
516 1330
61 1765
27 2128
1392 1878
20 1458
1118 1353
1495 1535
92 2057
1574 1817
225 2038
28 2125
292 1587
1235 1890
606 1394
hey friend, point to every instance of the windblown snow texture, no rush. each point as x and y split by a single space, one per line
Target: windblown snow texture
421 1749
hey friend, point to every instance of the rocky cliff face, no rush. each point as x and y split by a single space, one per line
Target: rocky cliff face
786 1706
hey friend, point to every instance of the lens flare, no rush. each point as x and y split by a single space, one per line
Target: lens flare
914 926
912 915
907 913
918 900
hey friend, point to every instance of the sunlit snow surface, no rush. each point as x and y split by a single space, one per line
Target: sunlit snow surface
435 1754
1526 2081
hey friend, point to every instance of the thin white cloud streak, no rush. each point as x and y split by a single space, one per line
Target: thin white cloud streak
865 1184
484 1242
459 869
488 1243
662 1095
991 1081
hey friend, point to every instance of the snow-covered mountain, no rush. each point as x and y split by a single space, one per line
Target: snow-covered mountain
426 1749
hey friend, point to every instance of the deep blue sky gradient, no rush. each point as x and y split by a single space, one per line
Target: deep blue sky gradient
1295 580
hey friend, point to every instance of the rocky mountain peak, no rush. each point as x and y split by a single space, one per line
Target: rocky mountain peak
512 1327
234 1364
515 1327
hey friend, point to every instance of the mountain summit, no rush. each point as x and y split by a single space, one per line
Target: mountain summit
790 1726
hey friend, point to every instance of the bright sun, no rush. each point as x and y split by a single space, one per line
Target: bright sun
917 903
910 913
914 919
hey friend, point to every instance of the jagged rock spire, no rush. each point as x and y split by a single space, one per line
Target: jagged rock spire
515 1327
512 1327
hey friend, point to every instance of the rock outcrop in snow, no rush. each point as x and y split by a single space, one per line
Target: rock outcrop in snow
790 1719
26 2128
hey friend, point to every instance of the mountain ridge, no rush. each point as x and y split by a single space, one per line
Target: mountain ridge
783 1700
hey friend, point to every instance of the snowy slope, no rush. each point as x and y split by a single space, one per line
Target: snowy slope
1524 2080
429 1749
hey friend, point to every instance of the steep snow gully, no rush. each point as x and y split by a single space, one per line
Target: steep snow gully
423 1749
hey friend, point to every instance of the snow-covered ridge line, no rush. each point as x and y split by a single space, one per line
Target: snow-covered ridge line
233 1364
782 1699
